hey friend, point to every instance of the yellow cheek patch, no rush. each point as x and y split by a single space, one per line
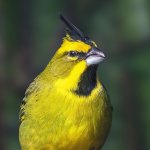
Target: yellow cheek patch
73 45
72 79
72 58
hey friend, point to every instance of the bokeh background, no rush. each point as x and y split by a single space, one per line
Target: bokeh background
30 33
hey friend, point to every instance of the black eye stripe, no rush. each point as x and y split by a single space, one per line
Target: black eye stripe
82 54
76 53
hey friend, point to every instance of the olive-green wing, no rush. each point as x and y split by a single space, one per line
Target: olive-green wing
31 89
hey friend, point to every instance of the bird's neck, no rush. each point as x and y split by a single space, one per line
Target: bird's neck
81 80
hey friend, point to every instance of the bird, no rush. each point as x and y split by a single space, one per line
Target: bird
67 107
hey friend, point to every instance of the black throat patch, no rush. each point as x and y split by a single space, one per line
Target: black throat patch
87 81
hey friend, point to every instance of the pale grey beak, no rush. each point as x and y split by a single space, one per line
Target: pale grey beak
94 56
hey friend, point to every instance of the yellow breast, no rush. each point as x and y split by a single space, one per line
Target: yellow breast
66 121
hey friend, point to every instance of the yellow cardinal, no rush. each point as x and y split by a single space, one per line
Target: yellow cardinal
66 107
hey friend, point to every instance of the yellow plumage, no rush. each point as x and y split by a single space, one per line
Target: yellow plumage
61 109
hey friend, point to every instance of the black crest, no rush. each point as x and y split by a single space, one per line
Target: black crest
74 32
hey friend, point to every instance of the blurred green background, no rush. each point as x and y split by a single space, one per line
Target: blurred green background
30 33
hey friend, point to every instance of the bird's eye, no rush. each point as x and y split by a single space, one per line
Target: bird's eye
72 53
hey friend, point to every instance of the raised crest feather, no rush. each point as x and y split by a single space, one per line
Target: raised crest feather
72 28
74 33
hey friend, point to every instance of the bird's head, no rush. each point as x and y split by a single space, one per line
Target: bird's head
80 50
77 56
